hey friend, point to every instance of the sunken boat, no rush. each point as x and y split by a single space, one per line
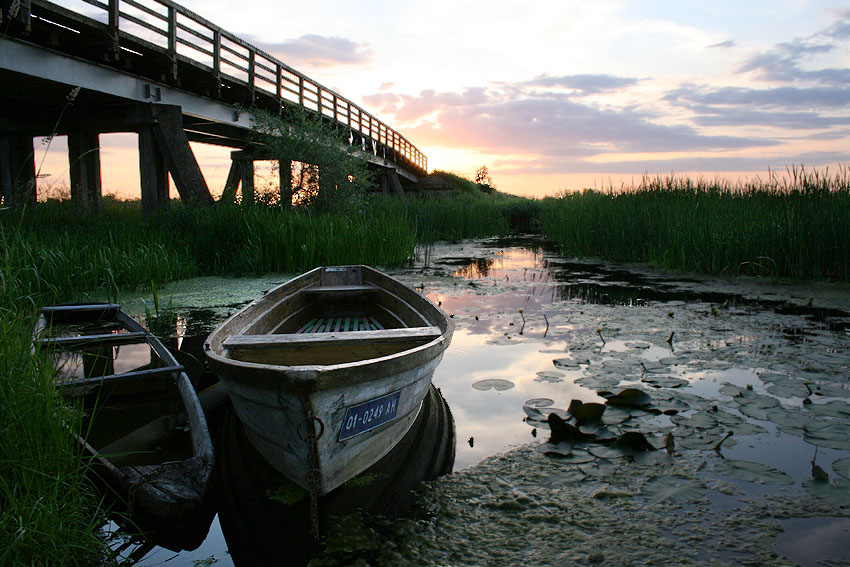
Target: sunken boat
328 371
142 422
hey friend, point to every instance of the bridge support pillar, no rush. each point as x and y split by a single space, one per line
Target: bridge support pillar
153 173
247 173
17 170
234 177
284 166
179 159
84 161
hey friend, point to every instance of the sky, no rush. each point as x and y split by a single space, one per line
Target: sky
562 95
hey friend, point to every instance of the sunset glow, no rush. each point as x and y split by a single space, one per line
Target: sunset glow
560 95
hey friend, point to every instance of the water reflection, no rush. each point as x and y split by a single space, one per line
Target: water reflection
265 517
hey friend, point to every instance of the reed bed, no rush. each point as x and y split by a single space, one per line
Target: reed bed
792 226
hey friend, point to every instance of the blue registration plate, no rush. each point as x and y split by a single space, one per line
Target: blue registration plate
369 415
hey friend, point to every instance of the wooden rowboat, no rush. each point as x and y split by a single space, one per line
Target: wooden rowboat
143 424
328 371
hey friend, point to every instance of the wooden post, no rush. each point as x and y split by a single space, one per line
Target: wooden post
384 181
179 159
247 170
172 45
84 161
234 177
17 170
284 166
216 74
113 49
152 172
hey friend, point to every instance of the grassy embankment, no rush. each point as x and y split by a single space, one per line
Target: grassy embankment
797 227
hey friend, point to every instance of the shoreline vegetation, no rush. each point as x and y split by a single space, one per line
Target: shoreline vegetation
798 228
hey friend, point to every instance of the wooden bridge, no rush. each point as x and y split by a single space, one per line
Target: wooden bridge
155 68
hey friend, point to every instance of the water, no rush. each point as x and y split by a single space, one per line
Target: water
519 307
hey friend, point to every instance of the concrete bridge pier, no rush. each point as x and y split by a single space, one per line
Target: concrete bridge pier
17 169
84 162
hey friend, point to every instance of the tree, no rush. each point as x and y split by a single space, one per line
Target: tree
325 173
482 176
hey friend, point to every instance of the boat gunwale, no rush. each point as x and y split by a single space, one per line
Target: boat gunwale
317 377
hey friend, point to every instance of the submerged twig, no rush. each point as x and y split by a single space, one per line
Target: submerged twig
547 325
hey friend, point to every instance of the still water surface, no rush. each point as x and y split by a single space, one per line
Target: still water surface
532 325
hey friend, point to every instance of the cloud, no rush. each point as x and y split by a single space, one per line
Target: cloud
664 165
781 97
729 43
318 50
784 62
584 84
518 119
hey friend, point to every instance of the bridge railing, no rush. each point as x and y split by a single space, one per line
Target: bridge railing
179 31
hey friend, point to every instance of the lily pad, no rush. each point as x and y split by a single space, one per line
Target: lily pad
605 452
589 412
630 397
549 376
578 456
834 408
750 471
664 381
615 415
837 494
830 434
562 448
786 391
562 431
674 489
698 420
704 441
493 383
562 478
842 468
539 402
633 441
569 363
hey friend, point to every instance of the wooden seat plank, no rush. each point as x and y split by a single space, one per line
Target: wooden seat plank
81 341
332 338
339 289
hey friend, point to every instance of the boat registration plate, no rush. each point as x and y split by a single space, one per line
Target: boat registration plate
369 415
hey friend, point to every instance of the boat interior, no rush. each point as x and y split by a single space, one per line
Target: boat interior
123 393
339 319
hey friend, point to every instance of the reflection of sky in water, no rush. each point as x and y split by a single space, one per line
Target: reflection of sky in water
494 418
829 536
125 358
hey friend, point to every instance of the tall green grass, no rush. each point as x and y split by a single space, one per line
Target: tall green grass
48 512
796 226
